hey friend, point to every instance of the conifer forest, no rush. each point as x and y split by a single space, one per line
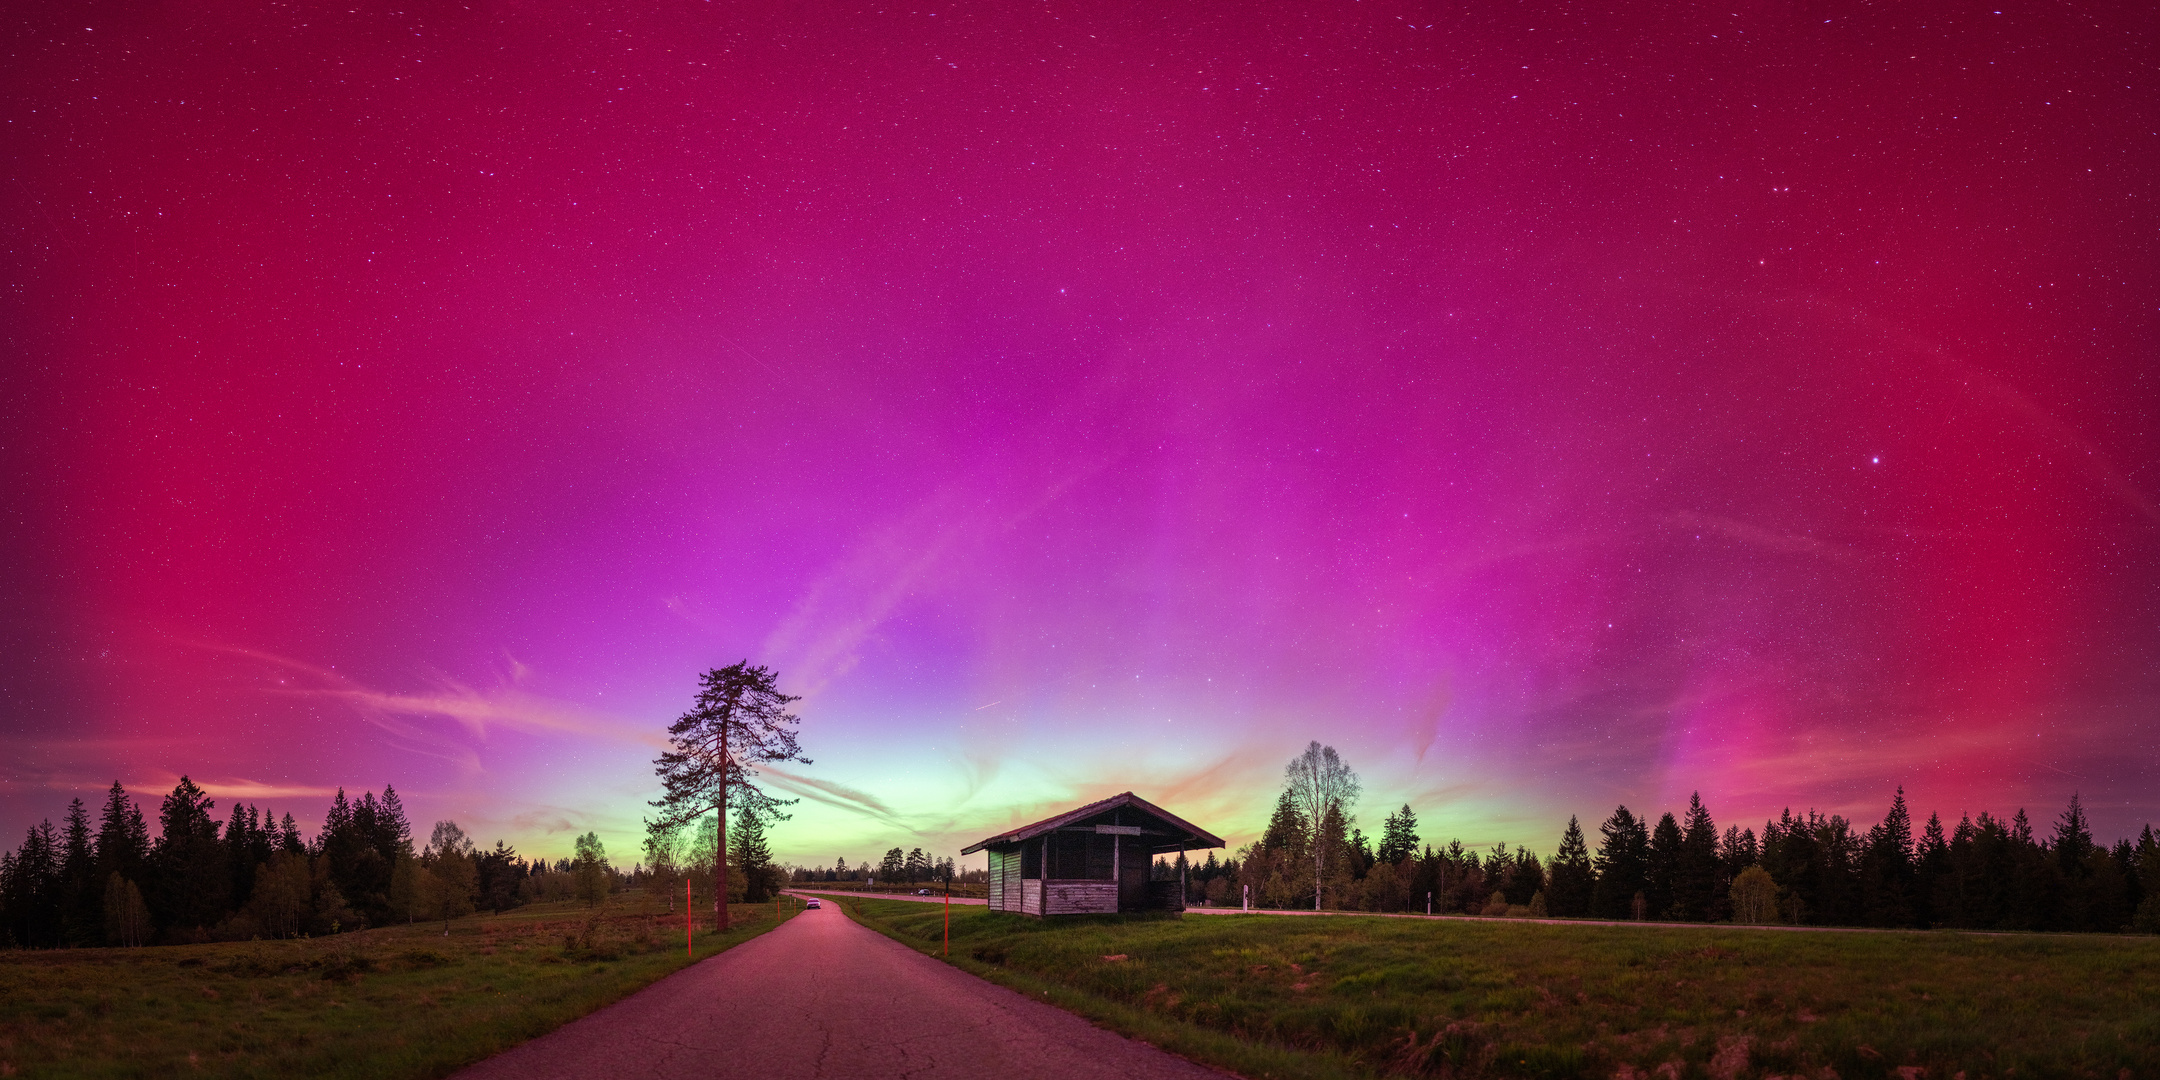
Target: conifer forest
1983 873
105 879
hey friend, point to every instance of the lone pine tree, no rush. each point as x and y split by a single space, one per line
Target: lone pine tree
739 718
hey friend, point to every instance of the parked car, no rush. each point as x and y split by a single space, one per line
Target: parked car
922 892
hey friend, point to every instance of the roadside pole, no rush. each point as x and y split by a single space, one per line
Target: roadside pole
948 915
689 921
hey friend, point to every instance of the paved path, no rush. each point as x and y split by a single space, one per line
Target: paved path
821 996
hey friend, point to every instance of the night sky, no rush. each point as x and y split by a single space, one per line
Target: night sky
1549 406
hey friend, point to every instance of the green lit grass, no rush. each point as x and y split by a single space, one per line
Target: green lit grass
1283 996
391 1002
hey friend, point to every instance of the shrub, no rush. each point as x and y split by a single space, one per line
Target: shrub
2147 920
1754 897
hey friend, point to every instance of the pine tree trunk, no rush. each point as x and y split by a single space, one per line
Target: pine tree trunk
720 857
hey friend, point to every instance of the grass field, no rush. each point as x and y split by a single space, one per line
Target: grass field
393 1002
1277 996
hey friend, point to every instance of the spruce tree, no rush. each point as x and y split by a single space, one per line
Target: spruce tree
1623 852
1361 852
1696 892
1527 879
123 838
193 887
2073 839
1572 879
262 837
2145 917
1931 872
31 893
1887 868
1737 851
749 854
393 834
372 860
1662 870
1398 836
81 922
1332 858
240 853
1499 870
2148 861
7 900
1897 829
335 841
1286 827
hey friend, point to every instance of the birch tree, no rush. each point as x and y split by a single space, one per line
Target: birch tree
1317 781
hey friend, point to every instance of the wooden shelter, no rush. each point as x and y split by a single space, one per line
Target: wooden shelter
1093 860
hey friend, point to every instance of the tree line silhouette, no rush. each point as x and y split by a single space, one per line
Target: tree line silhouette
1984 873
109 882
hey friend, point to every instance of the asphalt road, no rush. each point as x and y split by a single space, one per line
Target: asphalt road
823 997
957 901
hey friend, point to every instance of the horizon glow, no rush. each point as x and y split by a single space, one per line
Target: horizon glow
1548 410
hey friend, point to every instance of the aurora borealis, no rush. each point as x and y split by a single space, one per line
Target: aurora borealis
1548 407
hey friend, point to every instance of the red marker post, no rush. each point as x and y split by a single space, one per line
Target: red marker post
689 922
948 916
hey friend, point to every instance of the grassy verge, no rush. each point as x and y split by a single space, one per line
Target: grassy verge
1285 997
403 1002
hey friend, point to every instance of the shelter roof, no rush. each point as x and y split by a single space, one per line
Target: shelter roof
1176 833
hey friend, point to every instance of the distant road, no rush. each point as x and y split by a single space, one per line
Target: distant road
822 997
957 900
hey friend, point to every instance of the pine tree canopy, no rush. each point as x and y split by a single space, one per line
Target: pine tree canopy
739 718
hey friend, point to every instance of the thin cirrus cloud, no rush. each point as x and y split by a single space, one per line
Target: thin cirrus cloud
478 711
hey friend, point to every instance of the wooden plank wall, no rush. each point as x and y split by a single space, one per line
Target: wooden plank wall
1031 896
997 881
1012 880
1083 898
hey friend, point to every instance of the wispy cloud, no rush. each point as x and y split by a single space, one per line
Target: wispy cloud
822 639
242 788
838 796
478 711
1759 537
